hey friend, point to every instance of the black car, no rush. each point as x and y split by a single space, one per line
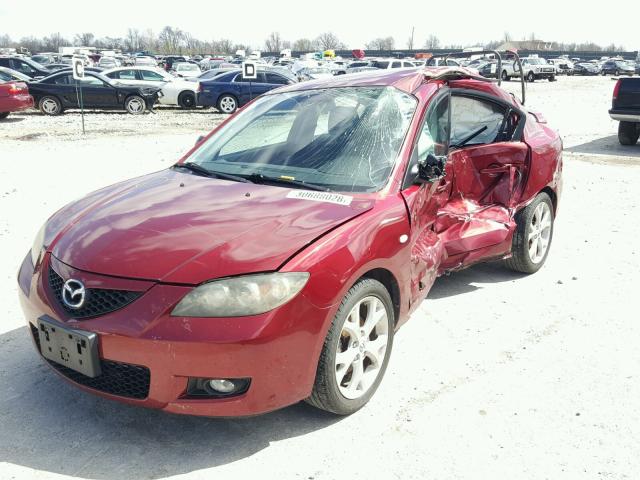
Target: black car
26 66
55 93
488 69
586 68
617 67
625 108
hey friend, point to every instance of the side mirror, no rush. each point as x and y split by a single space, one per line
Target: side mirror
432 168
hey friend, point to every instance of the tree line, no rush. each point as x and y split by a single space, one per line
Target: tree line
172 40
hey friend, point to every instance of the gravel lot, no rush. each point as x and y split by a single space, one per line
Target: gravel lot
496 376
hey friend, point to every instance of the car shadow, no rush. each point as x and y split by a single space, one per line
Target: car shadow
51 426
11 119
606 146
467 280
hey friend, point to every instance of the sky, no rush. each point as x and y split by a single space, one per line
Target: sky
355 23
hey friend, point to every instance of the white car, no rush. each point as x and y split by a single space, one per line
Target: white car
184 69
534 68
175 91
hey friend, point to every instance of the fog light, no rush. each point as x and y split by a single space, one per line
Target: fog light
221 385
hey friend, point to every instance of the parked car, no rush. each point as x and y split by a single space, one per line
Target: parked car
58 92
314 73
625 108
108 62
617 67
391 63
14 96
25 66
231 91
276 260
442 62
7 75
585 68
171 59
145 62
534 68
185 69
563 66
488 69
46 59
175 91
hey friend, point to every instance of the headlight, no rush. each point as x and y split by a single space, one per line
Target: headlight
38 245
240 296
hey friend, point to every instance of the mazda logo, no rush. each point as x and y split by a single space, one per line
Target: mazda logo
73 293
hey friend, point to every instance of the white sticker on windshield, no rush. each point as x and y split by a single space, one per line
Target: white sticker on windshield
326 197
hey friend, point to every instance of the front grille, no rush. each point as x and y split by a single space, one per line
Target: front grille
121 379
99 301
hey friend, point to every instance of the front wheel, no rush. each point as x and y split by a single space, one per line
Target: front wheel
531 77
505 77
356 350
135 105
532 238
3 115
552 78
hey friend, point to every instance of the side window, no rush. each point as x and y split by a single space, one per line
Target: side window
434 136
469 115
127 75
22 67
62 80
5 77
150 76
277 79
90 81
396 65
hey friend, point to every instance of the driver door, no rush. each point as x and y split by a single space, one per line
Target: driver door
425 195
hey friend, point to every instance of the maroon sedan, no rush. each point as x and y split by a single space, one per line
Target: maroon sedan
14 96
276 260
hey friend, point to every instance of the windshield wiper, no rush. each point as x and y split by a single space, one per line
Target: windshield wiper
469 138
260 178
205 172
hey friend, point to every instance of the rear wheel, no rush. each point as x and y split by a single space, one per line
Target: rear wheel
50 105
227 104
356 350
628 133
187 100
532 238
505 77
3 115
135 105
552 78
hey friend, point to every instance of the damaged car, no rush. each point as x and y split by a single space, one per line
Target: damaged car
58 92
277 259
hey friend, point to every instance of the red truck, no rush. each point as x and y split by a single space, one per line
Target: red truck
14 96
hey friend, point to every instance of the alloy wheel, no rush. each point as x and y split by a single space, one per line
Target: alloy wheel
49 106
361 347
228 104
135 105
539 232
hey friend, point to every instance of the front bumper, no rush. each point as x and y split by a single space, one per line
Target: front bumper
277 351
544 75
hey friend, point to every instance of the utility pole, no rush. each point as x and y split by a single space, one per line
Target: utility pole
411 38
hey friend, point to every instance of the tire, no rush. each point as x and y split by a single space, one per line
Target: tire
227 103
604 73
552 78
628 133
617 73
531 77
135 105
187 100
525 237
4 115
50 105
505 77
347 397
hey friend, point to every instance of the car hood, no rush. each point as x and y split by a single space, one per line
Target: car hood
173 226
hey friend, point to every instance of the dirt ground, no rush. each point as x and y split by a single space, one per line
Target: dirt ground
497 375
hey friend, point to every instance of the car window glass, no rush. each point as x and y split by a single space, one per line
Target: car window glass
127 75
5 77
277 79
395 65
470 114
22 67
434 135
62 80
151 76
92 82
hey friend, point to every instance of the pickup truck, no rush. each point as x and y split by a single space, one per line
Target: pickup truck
625 108
535 68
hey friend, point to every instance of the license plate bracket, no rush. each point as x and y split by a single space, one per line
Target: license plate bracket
74 349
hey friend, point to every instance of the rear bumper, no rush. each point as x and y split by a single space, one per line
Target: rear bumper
16 103
625 115
277 351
